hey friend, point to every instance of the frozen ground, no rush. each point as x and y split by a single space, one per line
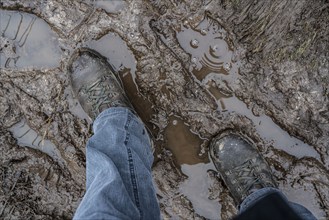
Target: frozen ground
192 69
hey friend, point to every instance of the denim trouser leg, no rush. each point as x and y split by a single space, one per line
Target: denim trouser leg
259 194
119 160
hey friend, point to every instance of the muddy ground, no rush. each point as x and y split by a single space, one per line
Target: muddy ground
192 69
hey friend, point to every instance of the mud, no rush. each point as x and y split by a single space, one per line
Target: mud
192 70
25 39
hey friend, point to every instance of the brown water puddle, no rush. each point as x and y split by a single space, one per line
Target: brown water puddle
184 145
179 139
141 104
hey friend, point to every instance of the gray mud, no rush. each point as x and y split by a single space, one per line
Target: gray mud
192 70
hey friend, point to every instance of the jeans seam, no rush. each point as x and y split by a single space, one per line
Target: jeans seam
131 166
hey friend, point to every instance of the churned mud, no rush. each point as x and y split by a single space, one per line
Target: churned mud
192 69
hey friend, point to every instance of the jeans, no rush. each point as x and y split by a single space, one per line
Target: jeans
119 179
261 193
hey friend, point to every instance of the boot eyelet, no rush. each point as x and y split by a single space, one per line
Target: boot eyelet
262 176
227 173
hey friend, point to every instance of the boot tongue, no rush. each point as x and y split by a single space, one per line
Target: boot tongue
255 188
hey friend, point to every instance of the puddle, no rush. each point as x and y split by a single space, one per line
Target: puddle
27 137
184 145
270 131
196 189
110 6
209 47
27 41
122 59
305 196
116 51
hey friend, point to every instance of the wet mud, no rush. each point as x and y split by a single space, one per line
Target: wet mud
25 39
192 70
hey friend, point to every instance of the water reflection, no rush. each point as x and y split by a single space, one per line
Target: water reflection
27 41
184 145
196 189
208 46
27 137
110 6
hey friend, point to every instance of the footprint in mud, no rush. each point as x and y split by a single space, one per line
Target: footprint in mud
209 47
27 41
27 137
212 57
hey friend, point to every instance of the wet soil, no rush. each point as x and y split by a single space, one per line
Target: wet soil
192 70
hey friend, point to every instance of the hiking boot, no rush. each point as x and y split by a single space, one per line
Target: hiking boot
240 165
95 83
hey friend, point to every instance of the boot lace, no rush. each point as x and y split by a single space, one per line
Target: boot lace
98 94
249 176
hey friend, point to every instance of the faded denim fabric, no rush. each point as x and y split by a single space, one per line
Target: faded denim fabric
119 179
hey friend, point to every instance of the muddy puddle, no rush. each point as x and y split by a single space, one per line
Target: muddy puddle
27 137
194 164
27 42
271 132
197 189
112 6
185 146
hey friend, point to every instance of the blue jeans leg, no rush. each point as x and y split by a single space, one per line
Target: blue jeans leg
119 179
259 194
